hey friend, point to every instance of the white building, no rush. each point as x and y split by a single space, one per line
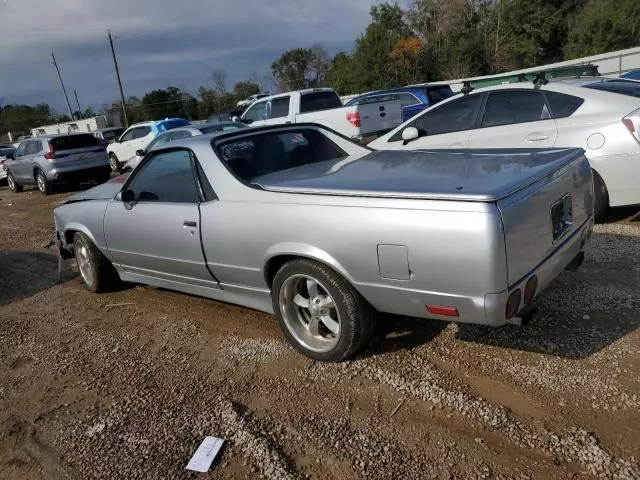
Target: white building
84 125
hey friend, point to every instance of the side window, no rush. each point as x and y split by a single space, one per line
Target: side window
20 151
278 107
166 177
407 99
159 140
514 106
142 132
178 135
128 135
563 105
40 147
257 111
32 148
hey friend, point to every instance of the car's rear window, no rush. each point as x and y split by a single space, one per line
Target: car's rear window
72 142
314 101
439 93
271 152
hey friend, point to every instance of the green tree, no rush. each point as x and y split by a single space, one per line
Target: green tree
291 69
22 118
242 90
603 26
341 75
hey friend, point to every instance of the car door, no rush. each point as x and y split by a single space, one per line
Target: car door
256 114
22 169
157 236
447 125
515 119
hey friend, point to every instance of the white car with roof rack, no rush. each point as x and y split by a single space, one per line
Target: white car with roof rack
524 115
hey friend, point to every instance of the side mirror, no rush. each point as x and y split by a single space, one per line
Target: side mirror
140 153
409 134
236 119
128 196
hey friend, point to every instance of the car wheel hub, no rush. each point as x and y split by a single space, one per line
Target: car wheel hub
12 185
41 185
309 313
84 264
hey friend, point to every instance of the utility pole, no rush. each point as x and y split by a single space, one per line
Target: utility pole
62 84
115 62
79 109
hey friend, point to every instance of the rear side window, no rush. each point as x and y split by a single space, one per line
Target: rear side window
514 106
278 107
166 177
72 142
272 152
32 147
407 99
439 93
314 101
563 105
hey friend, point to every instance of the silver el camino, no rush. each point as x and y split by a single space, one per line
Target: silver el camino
301 222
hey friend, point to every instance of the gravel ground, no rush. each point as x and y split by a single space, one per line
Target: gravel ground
127 384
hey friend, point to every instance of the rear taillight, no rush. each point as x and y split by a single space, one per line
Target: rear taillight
51 154
513 304
632 122
354 119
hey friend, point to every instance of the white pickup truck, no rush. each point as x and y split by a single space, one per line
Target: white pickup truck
322 105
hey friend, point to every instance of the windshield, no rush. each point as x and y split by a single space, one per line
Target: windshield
258 155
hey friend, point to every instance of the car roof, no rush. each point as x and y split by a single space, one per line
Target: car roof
56 135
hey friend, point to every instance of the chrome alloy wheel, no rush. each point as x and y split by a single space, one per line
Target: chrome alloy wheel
309 313
84 263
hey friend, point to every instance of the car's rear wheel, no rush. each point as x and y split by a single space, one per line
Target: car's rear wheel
601 194
114 163
43 184
13 185
96 271
320 313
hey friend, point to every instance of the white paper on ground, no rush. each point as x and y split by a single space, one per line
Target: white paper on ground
205 454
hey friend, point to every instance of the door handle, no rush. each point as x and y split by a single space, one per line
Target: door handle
190 224
537 138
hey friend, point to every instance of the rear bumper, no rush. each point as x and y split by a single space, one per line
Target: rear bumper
86 174
568 256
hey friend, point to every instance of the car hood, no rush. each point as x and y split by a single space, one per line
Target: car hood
105 191
471 175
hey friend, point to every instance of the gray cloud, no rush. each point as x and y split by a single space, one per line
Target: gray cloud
159 43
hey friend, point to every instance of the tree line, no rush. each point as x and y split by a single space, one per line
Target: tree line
427 41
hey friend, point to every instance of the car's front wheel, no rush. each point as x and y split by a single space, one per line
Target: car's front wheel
96 271
13 185
114 163
320 313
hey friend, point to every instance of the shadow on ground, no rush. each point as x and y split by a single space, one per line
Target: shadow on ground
23 274
621 214
398 332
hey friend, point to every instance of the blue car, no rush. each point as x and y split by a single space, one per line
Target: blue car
414 98
633 74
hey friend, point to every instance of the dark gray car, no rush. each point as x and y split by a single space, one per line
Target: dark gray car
50 160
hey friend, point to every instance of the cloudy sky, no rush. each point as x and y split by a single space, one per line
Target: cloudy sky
158 43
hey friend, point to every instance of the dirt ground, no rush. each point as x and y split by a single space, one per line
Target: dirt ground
127 384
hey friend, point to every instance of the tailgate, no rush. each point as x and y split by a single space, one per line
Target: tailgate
376 117
539 218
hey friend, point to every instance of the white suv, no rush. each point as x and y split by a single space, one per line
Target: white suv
520 115
138 137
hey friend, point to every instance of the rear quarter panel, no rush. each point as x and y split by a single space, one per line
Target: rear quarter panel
455 249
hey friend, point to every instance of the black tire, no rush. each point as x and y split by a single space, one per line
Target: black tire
114 163
14 186
601 196
44 186
104 277
357 317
